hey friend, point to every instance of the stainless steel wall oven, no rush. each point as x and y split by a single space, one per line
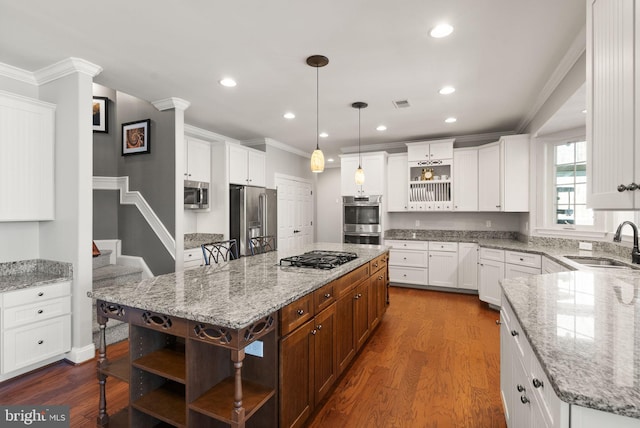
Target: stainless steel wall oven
362 219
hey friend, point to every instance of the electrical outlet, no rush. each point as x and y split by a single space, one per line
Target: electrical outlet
588 246
488 223
413 235
417 223
526 225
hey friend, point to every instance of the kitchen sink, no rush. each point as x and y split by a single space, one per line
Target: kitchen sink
601 262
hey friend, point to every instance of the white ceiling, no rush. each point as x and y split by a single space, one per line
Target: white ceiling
500 56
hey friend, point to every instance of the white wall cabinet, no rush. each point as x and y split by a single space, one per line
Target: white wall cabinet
397 182
246 166
431 151
375 174
197 160
468 266
489 177
613 155
27 136
443 264
465 179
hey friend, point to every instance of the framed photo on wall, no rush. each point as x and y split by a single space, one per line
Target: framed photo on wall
136 137
100 114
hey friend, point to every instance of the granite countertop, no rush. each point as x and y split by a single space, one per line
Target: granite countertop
29 273
195 240
583 327
237 293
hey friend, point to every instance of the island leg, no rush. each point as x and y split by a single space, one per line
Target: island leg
238 411
103 417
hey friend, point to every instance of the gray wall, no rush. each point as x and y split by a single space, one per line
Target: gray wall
329 206
286 163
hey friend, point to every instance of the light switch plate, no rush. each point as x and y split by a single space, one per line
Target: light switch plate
585 246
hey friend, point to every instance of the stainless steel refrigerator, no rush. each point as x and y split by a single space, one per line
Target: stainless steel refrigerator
253 211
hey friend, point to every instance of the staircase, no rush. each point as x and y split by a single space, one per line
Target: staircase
105 275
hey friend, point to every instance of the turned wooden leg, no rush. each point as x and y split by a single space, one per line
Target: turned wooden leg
103 417
238 411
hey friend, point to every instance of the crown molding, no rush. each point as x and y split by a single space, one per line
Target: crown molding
16 73
576 50
270 142
64 68
194 131
171 103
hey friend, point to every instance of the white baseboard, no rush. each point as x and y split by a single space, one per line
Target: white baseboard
80 355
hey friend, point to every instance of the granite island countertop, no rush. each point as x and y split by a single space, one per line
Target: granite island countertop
30 273
234 294
583 327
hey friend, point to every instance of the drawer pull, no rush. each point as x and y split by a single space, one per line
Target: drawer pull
514 333
314 331
376 265
498 322
520 388
521 259
40 311
327 296
524 399
319 327
380 278
40 342
40 294
537 383
300 311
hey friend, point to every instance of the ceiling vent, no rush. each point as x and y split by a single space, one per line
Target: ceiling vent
401 104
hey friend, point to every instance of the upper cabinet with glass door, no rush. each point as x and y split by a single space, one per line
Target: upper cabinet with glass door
613 143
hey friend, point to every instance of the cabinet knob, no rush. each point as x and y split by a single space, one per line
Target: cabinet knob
40 311
498 322
631 187
520 388
537 382
300 311
514 333
521 259
621 187
319 327
314 331
497 206
40 342
40 294
327 296
524 399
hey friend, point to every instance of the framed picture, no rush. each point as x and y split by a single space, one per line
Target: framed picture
136 137
100 114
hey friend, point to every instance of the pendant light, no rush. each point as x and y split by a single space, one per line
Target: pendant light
317 158
359 172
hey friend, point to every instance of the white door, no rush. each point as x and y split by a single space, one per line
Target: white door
295 213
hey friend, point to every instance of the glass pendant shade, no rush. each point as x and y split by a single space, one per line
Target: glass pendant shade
317 161
359 176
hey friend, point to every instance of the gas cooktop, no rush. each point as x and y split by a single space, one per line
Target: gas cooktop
319 259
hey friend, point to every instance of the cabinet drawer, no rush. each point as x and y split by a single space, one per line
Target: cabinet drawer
408 258
543 391
193 263
35 294
523 259
378 263
517 271
409 245
491 254
443 246
295 314
408 275
39 311
324 297
35 342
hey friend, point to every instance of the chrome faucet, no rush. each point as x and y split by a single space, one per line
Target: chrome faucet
635 253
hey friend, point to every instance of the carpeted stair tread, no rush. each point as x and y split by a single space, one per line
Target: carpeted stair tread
103 259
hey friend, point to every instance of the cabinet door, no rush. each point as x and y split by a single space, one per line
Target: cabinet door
345 343
515 173
490 273
325 370
441 151
361 313
468 266
612 157
443 268
374 167
397 183
489 178
256 174
296 388
507 359
198 160
465 180
348 166
238 165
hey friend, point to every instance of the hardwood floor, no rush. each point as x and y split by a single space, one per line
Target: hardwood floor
434 361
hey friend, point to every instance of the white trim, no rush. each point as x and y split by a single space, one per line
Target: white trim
277 144
28 99
193 131
128 197
278 175
80 355
16 73
576 50
64 68
171 103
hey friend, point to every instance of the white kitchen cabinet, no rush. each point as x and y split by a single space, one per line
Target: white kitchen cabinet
246 166
490 273
430 151
520 264
489 177
197 160
465 179
27 137
516 271
193 257
443 264
468 266
35 328
397 182
375 174
408 262
613 155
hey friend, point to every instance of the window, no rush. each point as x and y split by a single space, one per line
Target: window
570 181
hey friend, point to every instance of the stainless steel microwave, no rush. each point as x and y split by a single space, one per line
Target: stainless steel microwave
196 195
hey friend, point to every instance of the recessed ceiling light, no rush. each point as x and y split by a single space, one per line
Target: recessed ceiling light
450 120
441 30
446 90
228 82
289 115
381 128
584 111
330 160
323 135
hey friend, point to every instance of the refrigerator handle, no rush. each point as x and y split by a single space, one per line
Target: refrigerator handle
262 212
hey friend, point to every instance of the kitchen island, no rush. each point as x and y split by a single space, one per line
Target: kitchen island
219 345
569 350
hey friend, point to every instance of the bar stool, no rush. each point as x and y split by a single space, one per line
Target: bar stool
220 251
262 244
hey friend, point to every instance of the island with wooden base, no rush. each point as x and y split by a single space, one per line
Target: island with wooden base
244 343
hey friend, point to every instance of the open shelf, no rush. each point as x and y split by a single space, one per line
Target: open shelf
165 404
120 419
217 402
166 362
118 368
